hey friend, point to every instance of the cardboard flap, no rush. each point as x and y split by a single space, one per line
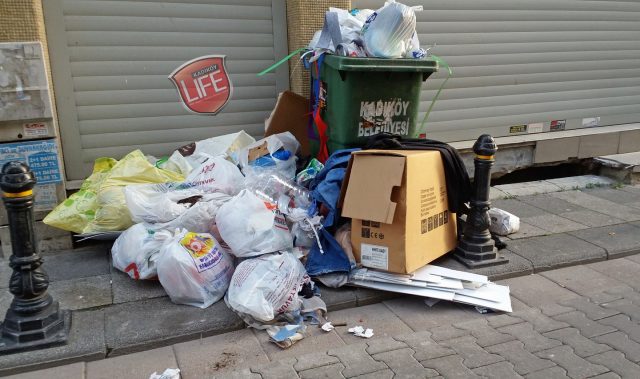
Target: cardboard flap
291 114
371 182
258 151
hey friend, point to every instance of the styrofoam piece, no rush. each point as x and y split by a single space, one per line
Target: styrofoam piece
422 274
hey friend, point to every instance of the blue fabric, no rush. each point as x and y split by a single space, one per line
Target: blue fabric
325 189
334 258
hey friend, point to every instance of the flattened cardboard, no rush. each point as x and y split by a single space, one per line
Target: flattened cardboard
420 229
291 114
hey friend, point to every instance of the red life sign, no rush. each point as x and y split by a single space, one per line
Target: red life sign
203 84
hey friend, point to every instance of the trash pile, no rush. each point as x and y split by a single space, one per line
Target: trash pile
257 223
239 219
389 32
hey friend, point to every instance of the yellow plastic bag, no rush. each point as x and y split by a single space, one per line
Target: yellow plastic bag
112 213
75 213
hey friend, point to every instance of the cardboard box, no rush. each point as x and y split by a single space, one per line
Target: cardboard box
397 200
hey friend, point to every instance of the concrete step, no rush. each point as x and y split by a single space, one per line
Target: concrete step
115 315
621 167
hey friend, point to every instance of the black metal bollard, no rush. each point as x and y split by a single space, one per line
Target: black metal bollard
34 319
476 248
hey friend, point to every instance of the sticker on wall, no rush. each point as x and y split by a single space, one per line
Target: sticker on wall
590 121
46 197
203 84
35 129
557 125
535 128
518 129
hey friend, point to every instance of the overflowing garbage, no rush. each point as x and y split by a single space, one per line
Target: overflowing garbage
389 32
259 224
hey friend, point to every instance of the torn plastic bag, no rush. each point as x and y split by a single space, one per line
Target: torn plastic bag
266 286
502 222
194 269
252 227
277 152
136 250
388 32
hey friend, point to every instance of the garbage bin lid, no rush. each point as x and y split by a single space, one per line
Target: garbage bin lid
339 63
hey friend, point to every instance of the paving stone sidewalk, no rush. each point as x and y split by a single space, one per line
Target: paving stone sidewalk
575 322
114 315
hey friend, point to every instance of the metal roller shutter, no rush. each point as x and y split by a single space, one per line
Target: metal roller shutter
111 60
529 61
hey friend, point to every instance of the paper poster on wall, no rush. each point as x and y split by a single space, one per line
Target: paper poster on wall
40 156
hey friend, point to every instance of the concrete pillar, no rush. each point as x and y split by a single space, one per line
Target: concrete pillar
304 18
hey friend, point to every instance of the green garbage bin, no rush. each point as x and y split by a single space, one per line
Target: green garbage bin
360 97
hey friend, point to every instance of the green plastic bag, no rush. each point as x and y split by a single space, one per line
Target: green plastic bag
99 205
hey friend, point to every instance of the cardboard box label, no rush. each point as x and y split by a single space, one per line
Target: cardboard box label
41 156
374 256
433 222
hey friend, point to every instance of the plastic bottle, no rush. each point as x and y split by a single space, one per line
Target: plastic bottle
273 187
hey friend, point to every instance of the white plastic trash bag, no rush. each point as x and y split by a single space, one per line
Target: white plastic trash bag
266 286
251 227
221 145
201 216
215 174
177 163
270 148
388 32
194 269
503 223
136 250
157 203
